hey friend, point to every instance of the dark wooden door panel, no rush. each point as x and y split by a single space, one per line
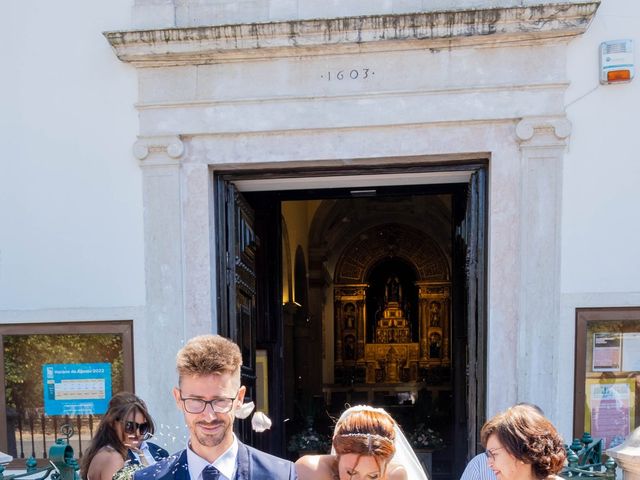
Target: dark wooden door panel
237 245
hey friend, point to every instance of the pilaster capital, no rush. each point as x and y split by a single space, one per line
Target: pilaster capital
535 132
162 150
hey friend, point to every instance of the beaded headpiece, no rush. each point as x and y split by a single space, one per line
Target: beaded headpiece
372 439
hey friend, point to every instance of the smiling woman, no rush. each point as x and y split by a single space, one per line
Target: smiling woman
120 435
522 444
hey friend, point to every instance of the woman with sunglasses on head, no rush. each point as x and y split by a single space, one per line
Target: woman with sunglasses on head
147 453
367 445
120 437
521 444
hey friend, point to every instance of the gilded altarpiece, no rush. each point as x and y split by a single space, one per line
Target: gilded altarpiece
350 317
435 312
402 345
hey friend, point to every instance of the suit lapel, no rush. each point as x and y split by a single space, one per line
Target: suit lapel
180 470
242 472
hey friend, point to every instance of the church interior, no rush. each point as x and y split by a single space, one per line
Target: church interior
368 300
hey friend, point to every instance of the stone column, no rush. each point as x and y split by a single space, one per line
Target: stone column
164 326
200 309
542 145
627 456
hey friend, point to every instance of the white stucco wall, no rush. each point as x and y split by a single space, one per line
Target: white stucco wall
71 228
601 232
600 228
70 189
189 13
71 216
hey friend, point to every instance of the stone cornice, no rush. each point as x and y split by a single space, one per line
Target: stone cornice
223 43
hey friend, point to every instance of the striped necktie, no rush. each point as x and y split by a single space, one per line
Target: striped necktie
210 473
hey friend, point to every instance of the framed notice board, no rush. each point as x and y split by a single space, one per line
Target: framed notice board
607 373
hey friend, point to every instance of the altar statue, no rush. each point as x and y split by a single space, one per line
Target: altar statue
393 290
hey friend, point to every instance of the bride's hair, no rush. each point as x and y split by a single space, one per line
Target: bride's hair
369 432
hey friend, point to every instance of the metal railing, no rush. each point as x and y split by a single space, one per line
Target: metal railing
584 460
32 433
62 464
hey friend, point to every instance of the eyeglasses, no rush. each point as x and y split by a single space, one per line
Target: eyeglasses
131 427
218 405
491 454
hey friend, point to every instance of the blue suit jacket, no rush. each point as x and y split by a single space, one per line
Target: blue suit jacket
252 464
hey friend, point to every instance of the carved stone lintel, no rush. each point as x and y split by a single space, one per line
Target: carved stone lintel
214 44
543 131
156 149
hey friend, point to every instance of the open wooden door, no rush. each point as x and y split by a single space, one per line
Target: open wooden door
472 239
237 245
469 317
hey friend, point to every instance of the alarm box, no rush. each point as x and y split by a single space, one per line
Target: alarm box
616 61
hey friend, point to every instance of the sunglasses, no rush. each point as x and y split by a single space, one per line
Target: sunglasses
131 427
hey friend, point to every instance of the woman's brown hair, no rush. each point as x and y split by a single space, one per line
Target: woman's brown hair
366 432
528 436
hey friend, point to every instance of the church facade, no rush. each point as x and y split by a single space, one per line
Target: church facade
403 205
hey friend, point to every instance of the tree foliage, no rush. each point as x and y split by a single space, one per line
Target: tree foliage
24 356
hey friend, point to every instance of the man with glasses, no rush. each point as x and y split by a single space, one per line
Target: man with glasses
209 393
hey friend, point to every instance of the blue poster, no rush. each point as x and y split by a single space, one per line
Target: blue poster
76 388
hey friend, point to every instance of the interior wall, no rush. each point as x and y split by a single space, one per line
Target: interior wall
298 216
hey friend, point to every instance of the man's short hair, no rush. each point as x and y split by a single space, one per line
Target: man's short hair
207 355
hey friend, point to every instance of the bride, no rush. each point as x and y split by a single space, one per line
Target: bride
367 445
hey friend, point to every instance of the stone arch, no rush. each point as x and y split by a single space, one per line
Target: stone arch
392 240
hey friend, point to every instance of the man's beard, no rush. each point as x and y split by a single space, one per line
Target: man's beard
212 440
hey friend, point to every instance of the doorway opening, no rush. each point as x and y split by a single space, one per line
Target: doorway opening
363 296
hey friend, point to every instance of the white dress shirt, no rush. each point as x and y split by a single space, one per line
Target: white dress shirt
225 463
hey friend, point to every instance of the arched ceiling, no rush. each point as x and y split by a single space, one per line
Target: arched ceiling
392 240
337 222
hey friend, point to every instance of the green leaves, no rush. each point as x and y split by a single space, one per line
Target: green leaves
24 356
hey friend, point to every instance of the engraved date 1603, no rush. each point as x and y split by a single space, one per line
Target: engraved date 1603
353 74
